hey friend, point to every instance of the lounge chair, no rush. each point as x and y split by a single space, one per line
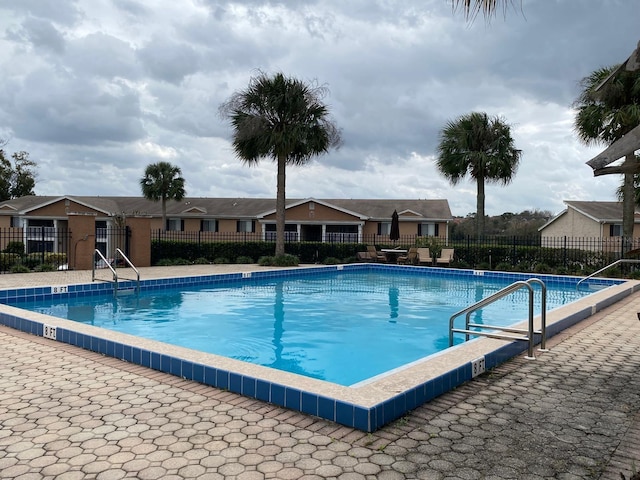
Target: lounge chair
445 257
411 257
363 256
424 256
375 255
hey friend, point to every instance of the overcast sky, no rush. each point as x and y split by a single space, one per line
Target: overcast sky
95 90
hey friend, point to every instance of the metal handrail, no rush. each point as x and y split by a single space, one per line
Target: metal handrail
622 260
497 296
126 259
113 271
108 264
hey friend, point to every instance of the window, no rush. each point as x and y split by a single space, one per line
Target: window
384 228
615 230
428 229
175 224
247 226
208 225
41 235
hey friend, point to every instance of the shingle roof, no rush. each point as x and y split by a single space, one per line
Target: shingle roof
599 211
374 209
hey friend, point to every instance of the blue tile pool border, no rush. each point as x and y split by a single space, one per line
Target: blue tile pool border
366 418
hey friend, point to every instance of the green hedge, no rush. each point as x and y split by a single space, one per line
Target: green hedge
237 252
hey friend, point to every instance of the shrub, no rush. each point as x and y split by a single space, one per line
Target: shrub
331 261
20 269
201 261
542 268
45 267
221 261
181 261
285 260
15 247
503 267
32 260
55 258
266 261
164 262
8 260
243 259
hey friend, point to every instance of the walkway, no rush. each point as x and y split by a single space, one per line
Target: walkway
574 413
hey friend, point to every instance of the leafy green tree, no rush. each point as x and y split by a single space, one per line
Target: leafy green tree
284 119
161 182
481 147
17 179
606 111
23 178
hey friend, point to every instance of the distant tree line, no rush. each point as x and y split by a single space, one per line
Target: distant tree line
513 224
17 174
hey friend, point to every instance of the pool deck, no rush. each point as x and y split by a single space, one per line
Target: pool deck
68 413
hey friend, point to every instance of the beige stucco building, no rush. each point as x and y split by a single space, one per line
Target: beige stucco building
599 221
89 219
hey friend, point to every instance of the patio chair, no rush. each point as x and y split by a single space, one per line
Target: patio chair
411 257
445 257
375 255
363 256
424 256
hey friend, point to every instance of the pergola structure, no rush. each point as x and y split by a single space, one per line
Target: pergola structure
630 142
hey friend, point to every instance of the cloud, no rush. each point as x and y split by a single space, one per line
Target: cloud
96 90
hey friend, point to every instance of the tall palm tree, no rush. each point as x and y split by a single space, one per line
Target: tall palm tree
161 182
605 113
482 147
284 119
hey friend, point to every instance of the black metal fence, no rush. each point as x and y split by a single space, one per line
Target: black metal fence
534 253
33 248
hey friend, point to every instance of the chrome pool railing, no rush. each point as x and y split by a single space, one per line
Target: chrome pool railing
622 260
113 271
527 334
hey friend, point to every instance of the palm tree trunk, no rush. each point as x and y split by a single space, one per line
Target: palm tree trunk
480 208
164 214
628 201
280 206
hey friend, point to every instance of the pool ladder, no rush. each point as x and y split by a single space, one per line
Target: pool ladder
521 334
622 260
115 274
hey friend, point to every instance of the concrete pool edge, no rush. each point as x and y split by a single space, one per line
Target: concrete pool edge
366 407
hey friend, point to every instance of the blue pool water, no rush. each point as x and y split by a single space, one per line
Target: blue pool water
342 327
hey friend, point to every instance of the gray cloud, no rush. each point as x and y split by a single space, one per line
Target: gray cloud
61 12
87 86
58 108
40 34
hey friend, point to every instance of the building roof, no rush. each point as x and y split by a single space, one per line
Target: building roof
600 212
604 212
236 208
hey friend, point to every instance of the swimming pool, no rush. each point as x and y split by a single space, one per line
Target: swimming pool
343 327
366 406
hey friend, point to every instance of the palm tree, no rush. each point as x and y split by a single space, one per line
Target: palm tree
284 119
471 8
162 181
483 148
605 113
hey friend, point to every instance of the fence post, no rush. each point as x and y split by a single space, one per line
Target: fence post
43 247
564 252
